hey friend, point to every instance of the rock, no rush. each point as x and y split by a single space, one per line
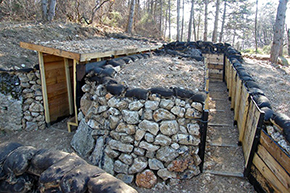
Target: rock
130 117
101 109
166 154
126 159
166 104
149 126
146 179
165 174
114 111
193 129
128 179
148 114
97 155
188 174
175 146
120 167
31 126
135 106
179 165
36 107
182 130
86 88
111 153
94 124
127 139
150 154
169 127
101 90
178 111
113 121
155 164
162 114
153 105
192 113
197 106
117 145
185 139
196 159
138 166
139 151
139 134
162 140
124 128
113 102
149 137
86 102
179 102
82 141
148 146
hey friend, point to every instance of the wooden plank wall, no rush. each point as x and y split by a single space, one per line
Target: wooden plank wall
57 92
215 63
269 163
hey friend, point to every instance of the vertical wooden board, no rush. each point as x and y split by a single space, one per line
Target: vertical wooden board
233 95
266 186
243 112
250 130
268 175
274 166
230 80
227 72
273 148
238 99
68 83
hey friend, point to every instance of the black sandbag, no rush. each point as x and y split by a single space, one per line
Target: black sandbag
6 148
262 101
97 79
183 93
77 179
140 56
284 122
98 70
268 113
51 177
43 159
108 72
146 55
246 78
251 84
91 66
138 93
21 184
107 80
116 89
116 63
127 60
199 97
165 92
133 57
255 91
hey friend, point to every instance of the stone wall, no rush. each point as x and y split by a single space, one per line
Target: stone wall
139 139
21 103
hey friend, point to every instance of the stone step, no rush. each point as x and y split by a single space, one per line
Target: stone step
219 104
227 174
219 94
221 117
222 136
224 159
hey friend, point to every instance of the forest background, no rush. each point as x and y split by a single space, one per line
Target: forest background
248 25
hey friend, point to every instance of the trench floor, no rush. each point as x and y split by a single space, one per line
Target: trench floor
223 154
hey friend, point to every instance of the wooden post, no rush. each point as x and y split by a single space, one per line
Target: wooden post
69 89
203 131
44 89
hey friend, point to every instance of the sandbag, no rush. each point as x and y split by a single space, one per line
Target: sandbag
133 57
268 113
183 93
116 89
43 159
6 148
107 72
167 93
126 59
91 66
116 63
262 101
199 97
251 84
21 184
138 93
255 91
284 122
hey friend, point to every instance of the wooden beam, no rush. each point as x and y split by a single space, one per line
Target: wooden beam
69 88
44 89
52 51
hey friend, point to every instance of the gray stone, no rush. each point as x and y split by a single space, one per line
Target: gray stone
190 113
111 153
169 127
165 174
86 103
153 105
36 107
135 106
100 132
130 117
128 179
102 109
126 159
101 90
193 129
162 114
120 167
114 111
183 130
155 164
82 141
162 140
28 101
122 105
139 134
117 145
124 128
178 111
149 137
23 78
113 121
34 114
149 126
127 139
101 100
94 124
185 139
31 126
31 76
86 88
197 106
150 154
139 151
148 114
113 102
179 102
175 146
138 166
97 155
166 104
166 154
188 174
148 146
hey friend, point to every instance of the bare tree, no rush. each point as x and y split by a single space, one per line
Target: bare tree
223 21
48 13
205 20
44 9
214 34
190 26
288 35
256 26
178 20
182 22
131 17
97 6
169 18
278 30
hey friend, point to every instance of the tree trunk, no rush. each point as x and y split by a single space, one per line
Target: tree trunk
288 34
131 17
44 10
278 31
178 21
223 21
198 27
165 23
205 20
190 25
214 34
51 12
169 19
256 26
182 22
161 18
